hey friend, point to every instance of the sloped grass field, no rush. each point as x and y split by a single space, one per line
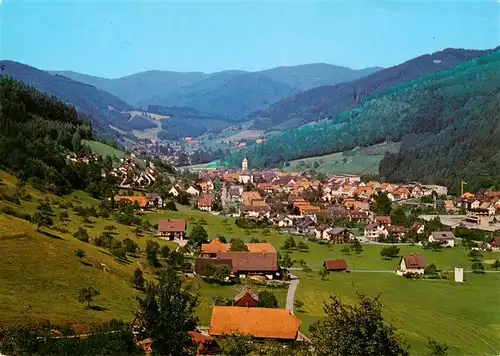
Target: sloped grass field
102 149
360 161
40 277
464 316
40 274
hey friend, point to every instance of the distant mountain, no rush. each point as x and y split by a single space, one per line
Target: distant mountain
328 101
308 76
102 108
230 93
183 122
448 124
136 87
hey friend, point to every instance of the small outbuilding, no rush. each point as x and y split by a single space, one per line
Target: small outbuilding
336 265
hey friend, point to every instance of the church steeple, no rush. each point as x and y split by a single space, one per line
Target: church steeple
244 164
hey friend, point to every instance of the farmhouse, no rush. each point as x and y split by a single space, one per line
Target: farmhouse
336 265
259 323
172 229
260 259
246 298
446 238
411 264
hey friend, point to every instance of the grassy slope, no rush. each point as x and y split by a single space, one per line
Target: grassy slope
40 269
362 161
103 149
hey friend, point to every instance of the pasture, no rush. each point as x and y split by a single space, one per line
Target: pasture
464 316
359 161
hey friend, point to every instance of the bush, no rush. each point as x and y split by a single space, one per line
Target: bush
81 234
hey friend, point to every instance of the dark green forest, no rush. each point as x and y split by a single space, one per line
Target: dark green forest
36 134
448 123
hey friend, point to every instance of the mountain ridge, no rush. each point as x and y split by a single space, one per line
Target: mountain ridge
328 101
168 88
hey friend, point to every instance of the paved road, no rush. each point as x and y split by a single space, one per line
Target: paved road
290 295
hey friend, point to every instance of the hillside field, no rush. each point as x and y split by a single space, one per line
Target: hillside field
464 316
363 160
102 149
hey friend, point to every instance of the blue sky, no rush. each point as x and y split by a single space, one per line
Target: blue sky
117 38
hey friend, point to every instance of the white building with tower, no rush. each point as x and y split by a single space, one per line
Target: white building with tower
245 175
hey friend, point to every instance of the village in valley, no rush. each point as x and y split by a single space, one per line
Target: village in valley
306 232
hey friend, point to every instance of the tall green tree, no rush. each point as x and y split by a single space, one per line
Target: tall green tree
198 236
382 205
237 245
166 314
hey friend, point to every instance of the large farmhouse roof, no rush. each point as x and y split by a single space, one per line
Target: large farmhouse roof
172 225
268 323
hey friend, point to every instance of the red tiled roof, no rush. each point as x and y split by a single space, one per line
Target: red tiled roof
142 201
251 261
383 219
336 265
206 200
172 225
414 261
268 323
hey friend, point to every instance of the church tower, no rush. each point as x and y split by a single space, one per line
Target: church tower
244 164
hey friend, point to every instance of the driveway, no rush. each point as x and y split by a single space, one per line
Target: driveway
290 295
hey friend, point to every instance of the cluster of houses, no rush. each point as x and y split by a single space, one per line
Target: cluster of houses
481 208
130 174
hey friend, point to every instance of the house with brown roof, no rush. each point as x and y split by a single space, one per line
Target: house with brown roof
259 323
411 264
246 298
384 220
336 265
205 202
396 231
172 229
338 235
260 259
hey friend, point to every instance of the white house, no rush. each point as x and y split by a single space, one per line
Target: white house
321 232
375 230
411 264
445 237
284 221
192 191
174 191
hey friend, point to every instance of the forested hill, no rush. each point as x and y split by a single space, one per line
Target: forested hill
102 108
448 123
329 101
36 133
